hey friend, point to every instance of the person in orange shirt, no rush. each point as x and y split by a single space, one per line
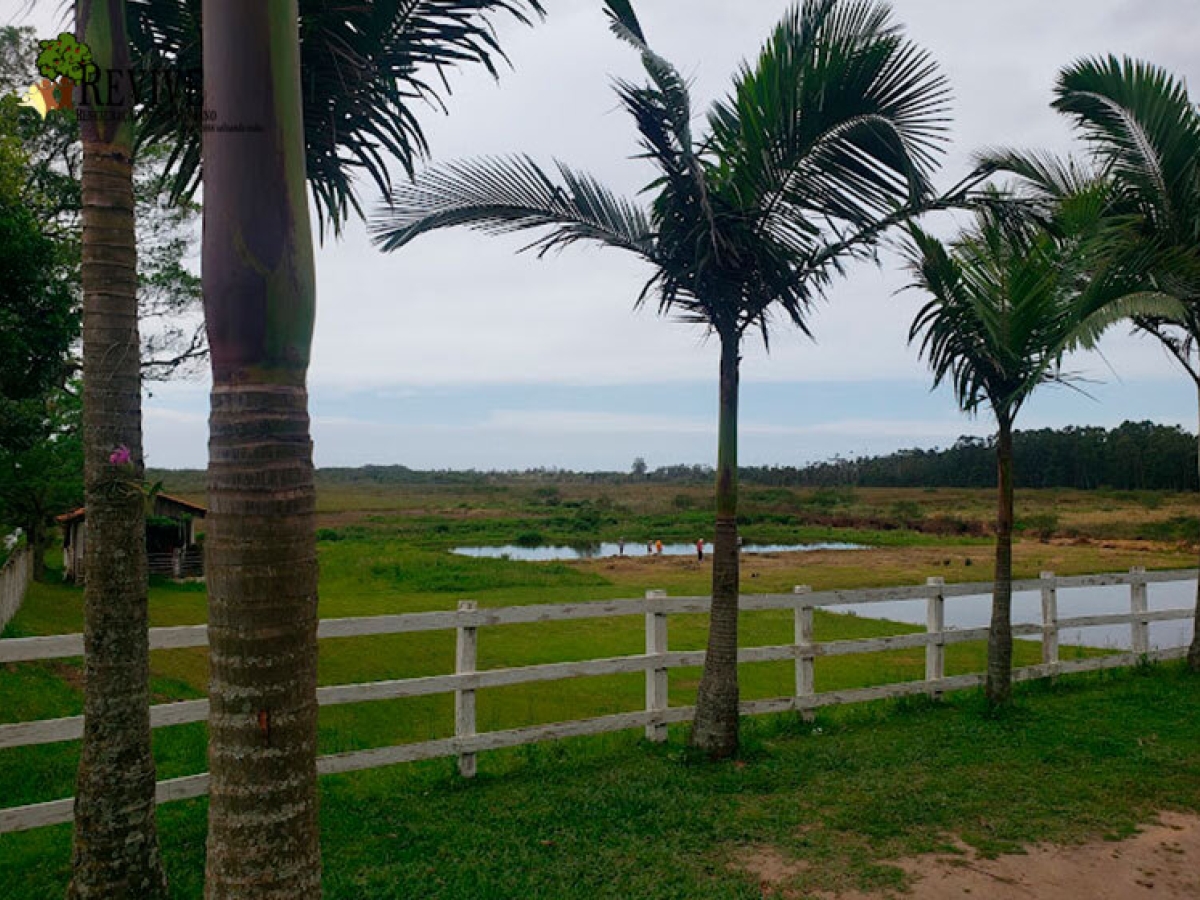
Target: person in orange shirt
658 548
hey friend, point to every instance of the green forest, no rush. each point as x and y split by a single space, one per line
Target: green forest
1135 456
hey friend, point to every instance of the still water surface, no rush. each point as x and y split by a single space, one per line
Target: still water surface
597 551
975 612
961 612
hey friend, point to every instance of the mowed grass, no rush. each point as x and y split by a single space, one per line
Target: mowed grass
378 575
613 817
386 832
43 690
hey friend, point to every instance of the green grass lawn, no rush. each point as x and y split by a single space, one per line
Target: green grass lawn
614 817
584 817
361 578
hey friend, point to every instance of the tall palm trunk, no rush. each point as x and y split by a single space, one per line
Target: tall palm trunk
716 727
115 852
1000 641
1193 657
259 300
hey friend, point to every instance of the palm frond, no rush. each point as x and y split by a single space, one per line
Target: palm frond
841 118
1040 176
750 225
1123 268
624 22
1140 123
662 111
1128 308
509 194
1000 314
368 69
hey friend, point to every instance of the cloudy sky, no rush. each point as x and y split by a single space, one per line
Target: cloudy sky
456 352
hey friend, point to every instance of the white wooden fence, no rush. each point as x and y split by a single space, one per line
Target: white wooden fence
655 663
182 562
15 576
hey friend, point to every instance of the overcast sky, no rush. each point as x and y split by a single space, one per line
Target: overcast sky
455 352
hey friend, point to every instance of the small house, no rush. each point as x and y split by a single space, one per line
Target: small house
170 539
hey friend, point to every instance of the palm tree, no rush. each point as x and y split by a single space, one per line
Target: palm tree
1143 137
1143 132
259 298
259 301
115 851
825 142
1006 302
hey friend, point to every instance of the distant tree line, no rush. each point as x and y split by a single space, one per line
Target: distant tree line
1136 456
1133 456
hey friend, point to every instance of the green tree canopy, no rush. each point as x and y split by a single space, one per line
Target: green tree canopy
172 327
38 320
42 476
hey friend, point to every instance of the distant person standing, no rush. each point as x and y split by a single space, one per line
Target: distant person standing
700 550
658 548
649 548
620 546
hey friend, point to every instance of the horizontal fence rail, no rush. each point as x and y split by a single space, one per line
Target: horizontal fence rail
655 663
178 563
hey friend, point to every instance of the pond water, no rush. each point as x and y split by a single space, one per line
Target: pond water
975 612
598 551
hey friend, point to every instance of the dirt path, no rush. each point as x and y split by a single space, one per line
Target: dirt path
1162 862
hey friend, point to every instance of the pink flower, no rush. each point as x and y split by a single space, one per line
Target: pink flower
120 456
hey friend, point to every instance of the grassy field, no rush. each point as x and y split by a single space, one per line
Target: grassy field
384 551
499 508
616 818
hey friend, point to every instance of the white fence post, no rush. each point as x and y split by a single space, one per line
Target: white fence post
466 647
1049 619
935 627
1139 604
656 676
805 669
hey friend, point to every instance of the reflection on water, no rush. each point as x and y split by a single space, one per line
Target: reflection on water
975 612
597 551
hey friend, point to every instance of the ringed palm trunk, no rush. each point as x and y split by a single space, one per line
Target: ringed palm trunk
1193 657
259 299
998 686
115 850
715 730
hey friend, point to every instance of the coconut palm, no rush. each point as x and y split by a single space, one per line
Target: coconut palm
115 849
1008 297
826 140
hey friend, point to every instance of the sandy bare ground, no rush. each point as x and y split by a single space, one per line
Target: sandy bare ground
1162 862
